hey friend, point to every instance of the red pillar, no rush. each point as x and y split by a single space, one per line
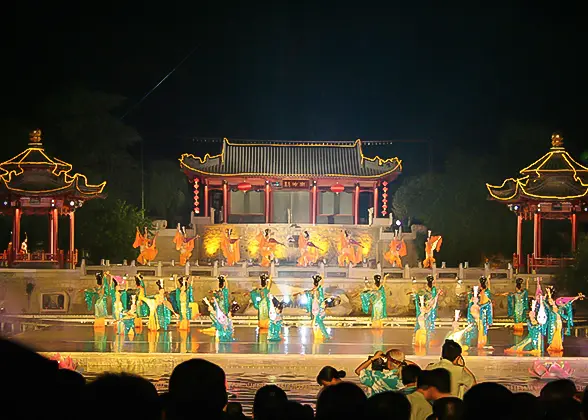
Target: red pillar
356 205
55 220
16 232
520 240
314 203
51 233
574 231
206 209
267 202
225 202
72 233
375 200
537 235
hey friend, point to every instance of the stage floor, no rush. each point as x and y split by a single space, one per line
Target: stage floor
250 361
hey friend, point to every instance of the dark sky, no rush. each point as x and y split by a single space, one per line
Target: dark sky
452 75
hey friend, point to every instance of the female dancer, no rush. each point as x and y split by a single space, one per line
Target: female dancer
142 307
315 305
182 299
430 295
119 299
518 305
222 294
261 301
425 308
96 297
160 309
533 343
460 335
221 322
559 310
377 299
480 310
275 320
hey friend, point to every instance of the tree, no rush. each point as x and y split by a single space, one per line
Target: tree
106 229
168 193
80 127
574 278
455 204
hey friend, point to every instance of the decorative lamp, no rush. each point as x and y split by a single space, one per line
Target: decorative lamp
337 188
244 186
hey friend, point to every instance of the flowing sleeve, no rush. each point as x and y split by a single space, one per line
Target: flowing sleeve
89 298
567 313
226 300
308 294
470 317
124 298
190 293
175 302
526 303
255 298
434 291
365 301
510 304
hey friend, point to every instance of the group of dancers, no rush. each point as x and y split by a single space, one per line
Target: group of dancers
544 316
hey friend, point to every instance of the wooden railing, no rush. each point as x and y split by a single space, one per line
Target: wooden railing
547 262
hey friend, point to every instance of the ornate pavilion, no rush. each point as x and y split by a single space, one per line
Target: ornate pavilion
32 183
287 182
554 187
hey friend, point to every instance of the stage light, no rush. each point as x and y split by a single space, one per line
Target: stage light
5 202
303 300
72 203
398 222
286 299
516 207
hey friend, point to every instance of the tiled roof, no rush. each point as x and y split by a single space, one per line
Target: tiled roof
556 176
287 159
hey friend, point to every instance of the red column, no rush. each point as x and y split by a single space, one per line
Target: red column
376 200
51 233
267 202
206 209
72 245
536 235
225 202
16 233
314 203
574 231
520 240
356 205
55 219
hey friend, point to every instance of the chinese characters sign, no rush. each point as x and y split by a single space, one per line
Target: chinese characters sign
296 184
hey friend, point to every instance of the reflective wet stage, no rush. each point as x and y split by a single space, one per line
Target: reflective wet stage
250 361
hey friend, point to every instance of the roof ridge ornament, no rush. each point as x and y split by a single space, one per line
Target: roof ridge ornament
556 140
35 137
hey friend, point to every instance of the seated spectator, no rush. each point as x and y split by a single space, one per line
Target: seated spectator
448 408
561 389
585 404
269 403
379 374
526 406
330 376
452 360
488 401
234 411
387 405
197 388
297 411
127 396
431 386
409 375
341 401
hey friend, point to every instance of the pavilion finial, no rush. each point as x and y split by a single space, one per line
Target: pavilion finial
35 137
556 140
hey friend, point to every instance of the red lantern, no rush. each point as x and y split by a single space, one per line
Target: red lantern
337 188
244 186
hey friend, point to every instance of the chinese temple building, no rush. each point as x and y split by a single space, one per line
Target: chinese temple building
554 187
286 182
32 183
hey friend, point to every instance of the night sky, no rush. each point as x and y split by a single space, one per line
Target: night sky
453 75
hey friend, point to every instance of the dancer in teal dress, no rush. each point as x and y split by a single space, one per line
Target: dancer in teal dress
221 322
142 307
182 300
480 310
558 311
315 305
430 302
275 320
118 293
222 294
376 298
164 308
261 301
533 342
518 306
96 298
